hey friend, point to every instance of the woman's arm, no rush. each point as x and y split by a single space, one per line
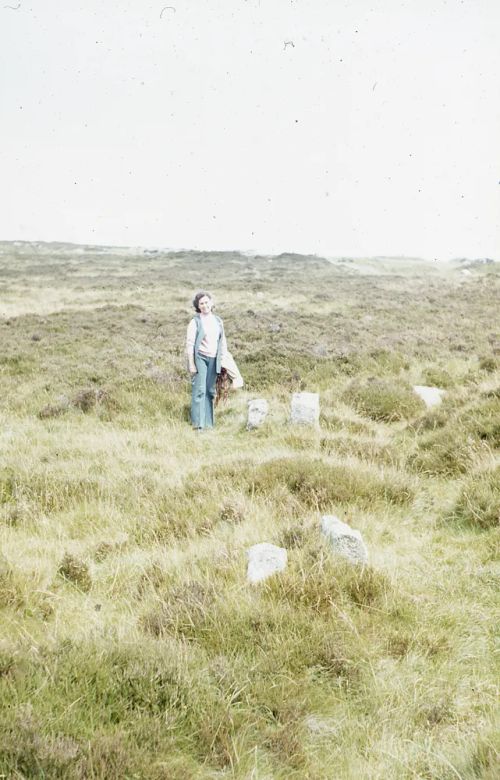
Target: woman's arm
190 341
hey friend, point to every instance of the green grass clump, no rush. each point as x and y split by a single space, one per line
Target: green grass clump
434 376
326 584
381 399
489 363
448 451
320 485
182 612
482 419
360 447
449 438
479 502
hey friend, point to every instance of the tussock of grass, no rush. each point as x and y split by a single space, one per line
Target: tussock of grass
386 400
319 485
482 419
368 449
446 452
331 420
435 376
489 363
76 571
479 502
450 438
183 612
326 585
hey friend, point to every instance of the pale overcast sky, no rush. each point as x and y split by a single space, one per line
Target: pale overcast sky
341 128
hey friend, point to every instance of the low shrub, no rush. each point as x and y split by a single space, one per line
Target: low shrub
91 398
75 570
30 752
479 502
383 400
232 511
60 407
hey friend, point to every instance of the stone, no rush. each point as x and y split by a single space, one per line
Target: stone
431 396
346 541
321 726
264 560
305 409
257 413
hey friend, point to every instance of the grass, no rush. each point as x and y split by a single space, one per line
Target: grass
131 645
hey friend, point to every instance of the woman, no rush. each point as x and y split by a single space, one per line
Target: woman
205 348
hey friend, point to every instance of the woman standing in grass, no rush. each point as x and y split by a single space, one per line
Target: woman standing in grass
205 348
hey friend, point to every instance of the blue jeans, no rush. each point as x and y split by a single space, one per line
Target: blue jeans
203 392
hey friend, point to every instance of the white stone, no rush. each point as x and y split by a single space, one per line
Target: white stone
431 396
305 409
257 412
264 560
321 726
346 541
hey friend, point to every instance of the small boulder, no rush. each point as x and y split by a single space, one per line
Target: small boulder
305 409
264 560
346 541
257 413
431 396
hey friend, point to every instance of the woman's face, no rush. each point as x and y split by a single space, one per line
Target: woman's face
205 304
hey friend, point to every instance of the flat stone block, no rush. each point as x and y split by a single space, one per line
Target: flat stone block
305 409
257 412
264 560
431 396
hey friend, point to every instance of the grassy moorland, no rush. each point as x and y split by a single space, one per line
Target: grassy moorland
131 645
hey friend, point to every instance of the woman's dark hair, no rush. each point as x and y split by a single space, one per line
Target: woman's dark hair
197 298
